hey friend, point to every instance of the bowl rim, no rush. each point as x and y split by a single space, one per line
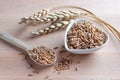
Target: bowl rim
71 25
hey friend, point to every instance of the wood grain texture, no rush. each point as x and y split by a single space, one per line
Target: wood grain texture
103 65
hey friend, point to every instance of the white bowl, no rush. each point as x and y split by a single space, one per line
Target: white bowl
83 51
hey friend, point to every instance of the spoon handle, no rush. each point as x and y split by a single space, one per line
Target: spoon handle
11 39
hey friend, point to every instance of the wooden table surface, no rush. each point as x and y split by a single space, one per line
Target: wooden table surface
103 65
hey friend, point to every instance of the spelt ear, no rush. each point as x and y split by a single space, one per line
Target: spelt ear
42 17
54 27
35 17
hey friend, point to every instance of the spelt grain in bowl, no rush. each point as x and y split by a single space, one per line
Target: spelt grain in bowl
85 36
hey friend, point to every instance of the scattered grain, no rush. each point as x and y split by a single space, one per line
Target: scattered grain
63 46
55 48
64 63
36 71
46 77
62 51
76 68
30 75
21 53
78 61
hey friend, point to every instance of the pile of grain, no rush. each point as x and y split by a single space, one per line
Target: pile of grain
84 35
43 55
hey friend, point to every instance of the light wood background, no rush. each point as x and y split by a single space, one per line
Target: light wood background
103 65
